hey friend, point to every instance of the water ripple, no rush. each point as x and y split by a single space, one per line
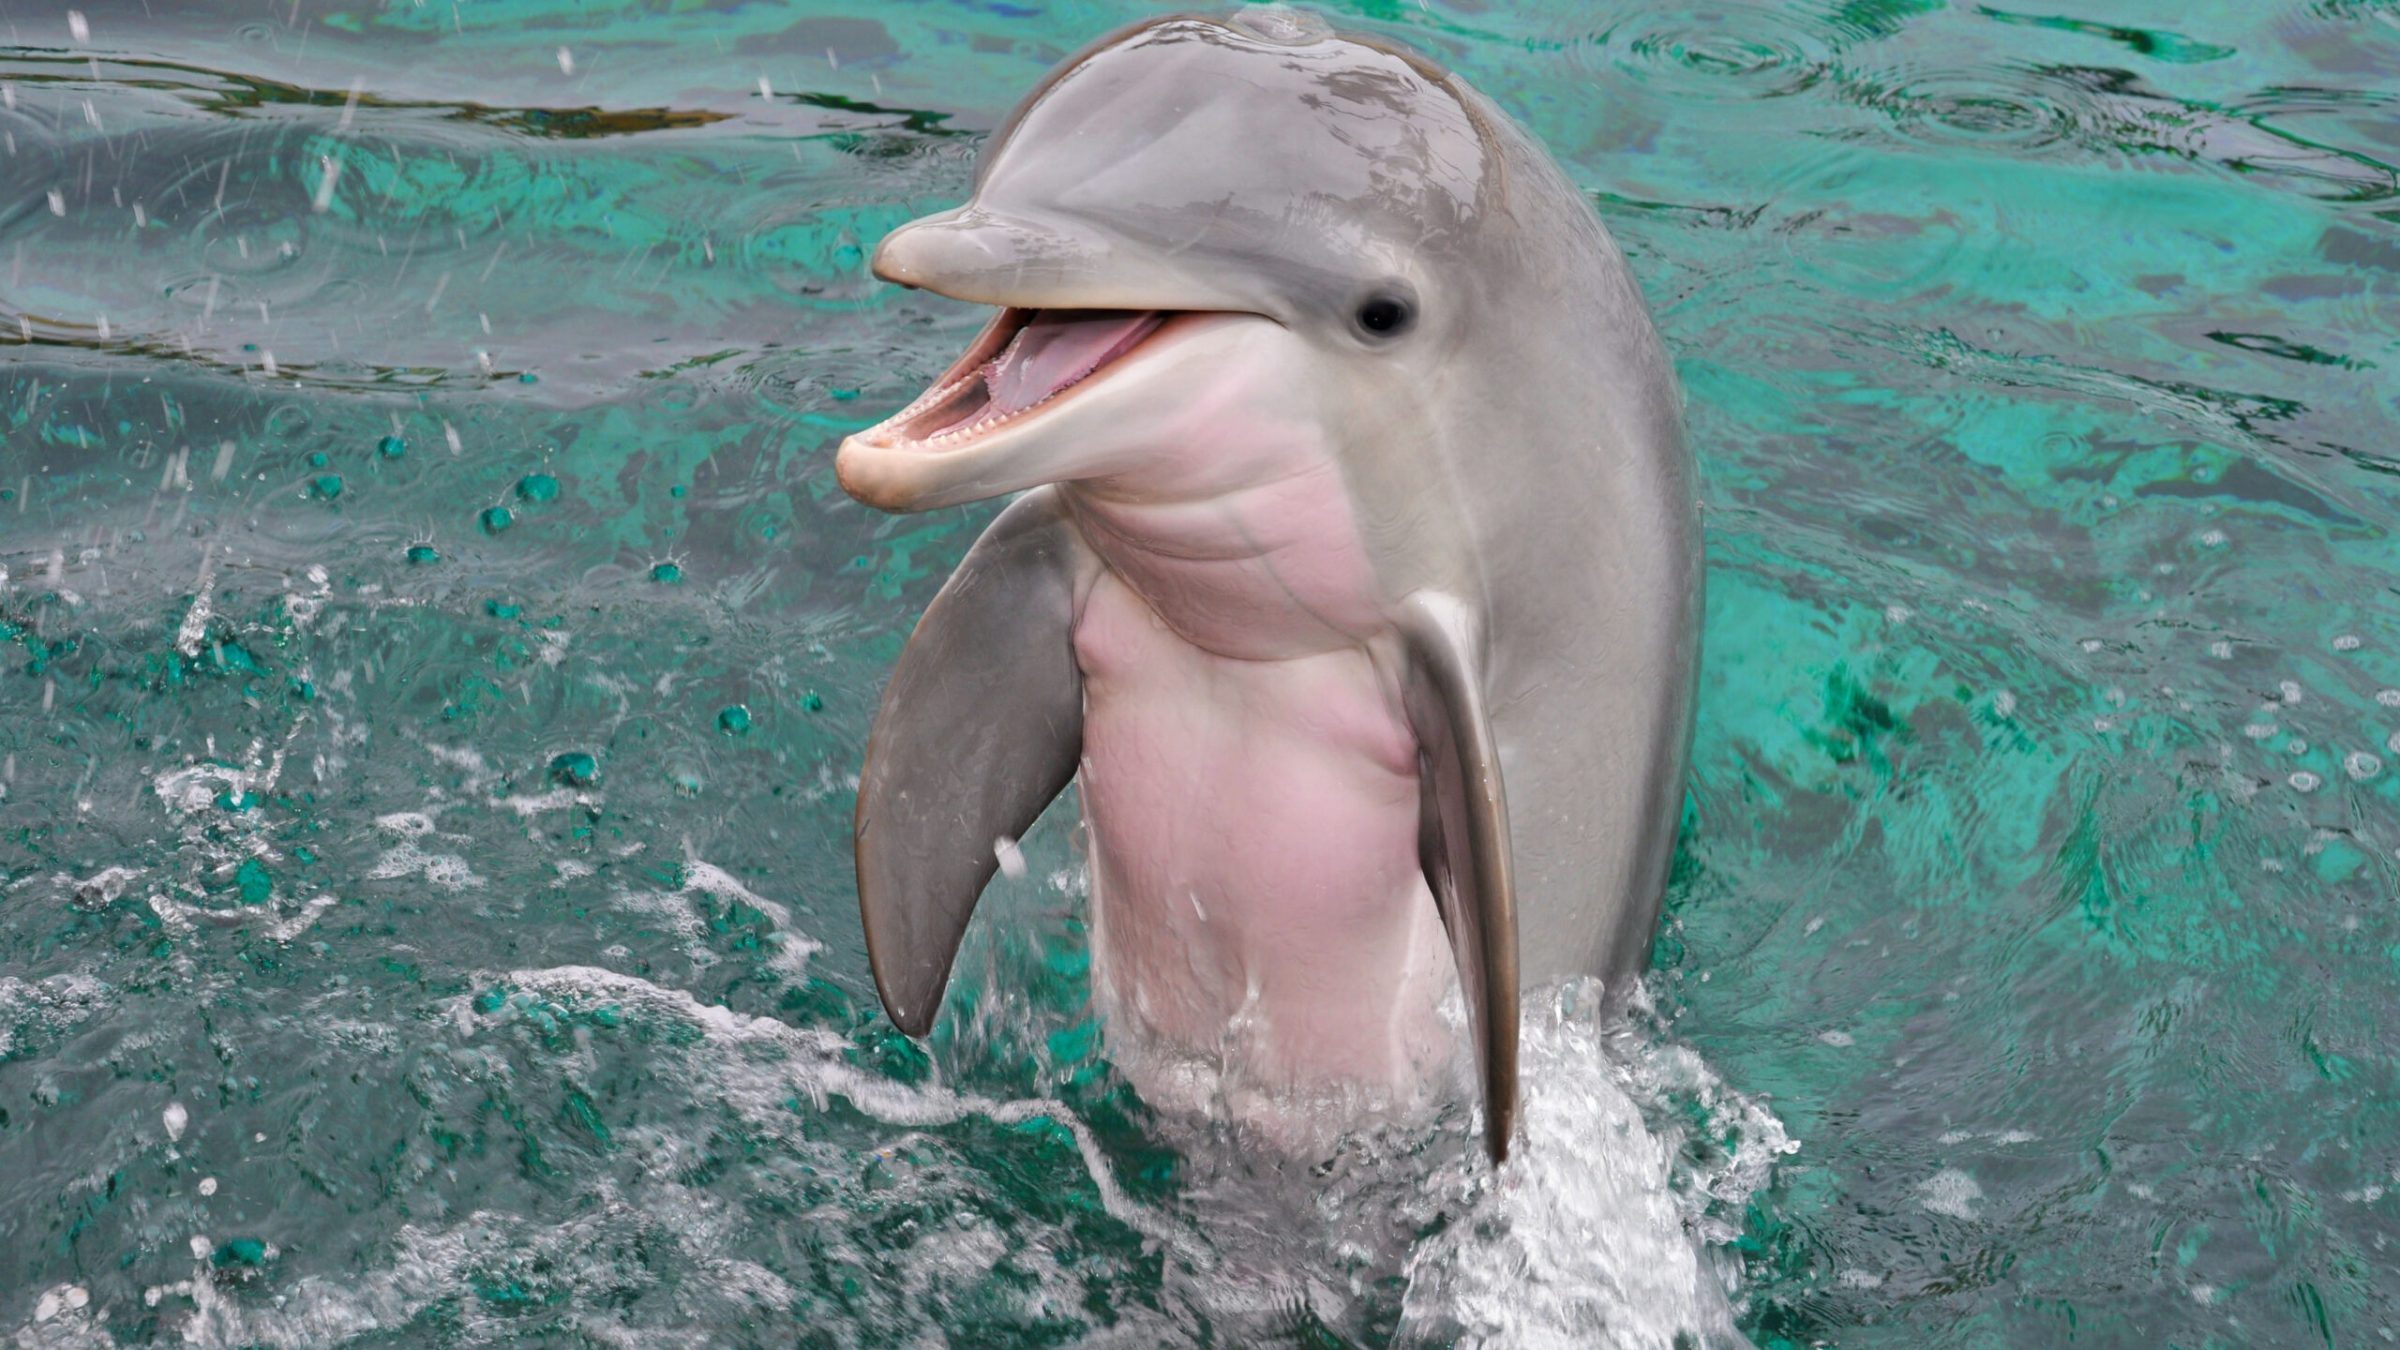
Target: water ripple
1714 51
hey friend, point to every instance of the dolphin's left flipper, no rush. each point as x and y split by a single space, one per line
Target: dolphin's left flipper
1462 839
980 727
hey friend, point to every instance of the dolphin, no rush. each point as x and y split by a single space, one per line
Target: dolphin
1354 567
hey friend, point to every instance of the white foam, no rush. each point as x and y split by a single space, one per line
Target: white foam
1950 1192
447 871
1585 1239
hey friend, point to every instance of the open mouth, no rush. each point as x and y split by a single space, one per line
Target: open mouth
1025 359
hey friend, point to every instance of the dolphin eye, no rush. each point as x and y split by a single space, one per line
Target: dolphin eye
1385 315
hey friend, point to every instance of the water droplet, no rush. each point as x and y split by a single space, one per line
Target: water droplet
496 518
734 720
537 487
574 769
392 447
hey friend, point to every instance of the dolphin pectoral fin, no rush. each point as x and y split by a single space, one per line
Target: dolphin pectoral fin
1463 841
980 727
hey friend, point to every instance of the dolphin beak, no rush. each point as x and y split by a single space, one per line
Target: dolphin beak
979 256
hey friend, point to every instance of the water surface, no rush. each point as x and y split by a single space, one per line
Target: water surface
437 659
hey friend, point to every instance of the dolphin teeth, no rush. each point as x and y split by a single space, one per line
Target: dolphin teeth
1050 352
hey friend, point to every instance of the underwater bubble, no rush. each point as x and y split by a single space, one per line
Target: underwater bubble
177 1119
2389 698
496 518
537 487
575 768
2348 642
734 720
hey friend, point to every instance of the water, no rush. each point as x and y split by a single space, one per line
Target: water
437 657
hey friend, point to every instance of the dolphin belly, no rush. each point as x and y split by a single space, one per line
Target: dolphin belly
1257 895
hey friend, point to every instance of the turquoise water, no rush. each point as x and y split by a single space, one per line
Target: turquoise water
437 660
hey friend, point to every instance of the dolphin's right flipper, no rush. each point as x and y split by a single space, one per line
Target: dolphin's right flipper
981 725
1463 840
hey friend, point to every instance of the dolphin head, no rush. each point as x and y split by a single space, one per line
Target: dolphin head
1197 231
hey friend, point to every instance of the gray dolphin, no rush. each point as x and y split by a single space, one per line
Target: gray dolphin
1356 568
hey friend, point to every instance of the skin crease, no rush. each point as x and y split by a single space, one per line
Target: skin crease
1245 520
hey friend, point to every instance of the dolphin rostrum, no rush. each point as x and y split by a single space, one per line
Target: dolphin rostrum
1356 568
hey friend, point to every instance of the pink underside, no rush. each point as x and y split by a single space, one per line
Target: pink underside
1250 782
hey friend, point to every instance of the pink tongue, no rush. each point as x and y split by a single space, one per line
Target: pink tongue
1058 348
